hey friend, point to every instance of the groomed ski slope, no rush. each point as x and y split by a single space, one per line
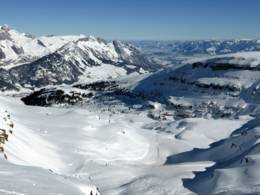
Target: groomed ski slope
76 150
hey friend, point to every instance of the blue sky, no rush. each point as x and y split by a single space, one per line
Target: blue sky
136 19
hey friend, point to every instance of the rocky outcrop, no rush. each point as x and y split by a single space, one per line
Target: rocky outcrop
7 80
98 86
2 54
6 130
55 96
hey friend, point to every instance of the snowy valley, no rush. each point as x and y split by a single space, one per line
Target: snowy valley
80 115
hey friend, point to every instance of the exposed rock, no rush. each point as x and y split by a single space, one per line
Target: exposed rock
2 54
17 50
98 86
47 97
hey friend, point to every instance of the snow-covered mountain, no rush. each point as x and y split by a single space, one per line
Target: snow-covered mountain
74 59
64 59
18 48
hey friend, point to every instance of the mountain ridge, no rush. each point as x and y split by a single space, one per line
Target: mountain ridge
61 59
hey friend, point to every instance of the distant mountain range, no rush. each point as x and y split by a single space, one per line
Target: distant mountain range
174 52
199 47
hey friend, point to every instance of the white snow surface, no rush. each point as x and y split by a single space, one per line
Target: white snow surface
75 150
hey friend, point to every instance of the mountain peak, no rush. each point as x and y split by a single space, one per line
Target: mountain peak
5 27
